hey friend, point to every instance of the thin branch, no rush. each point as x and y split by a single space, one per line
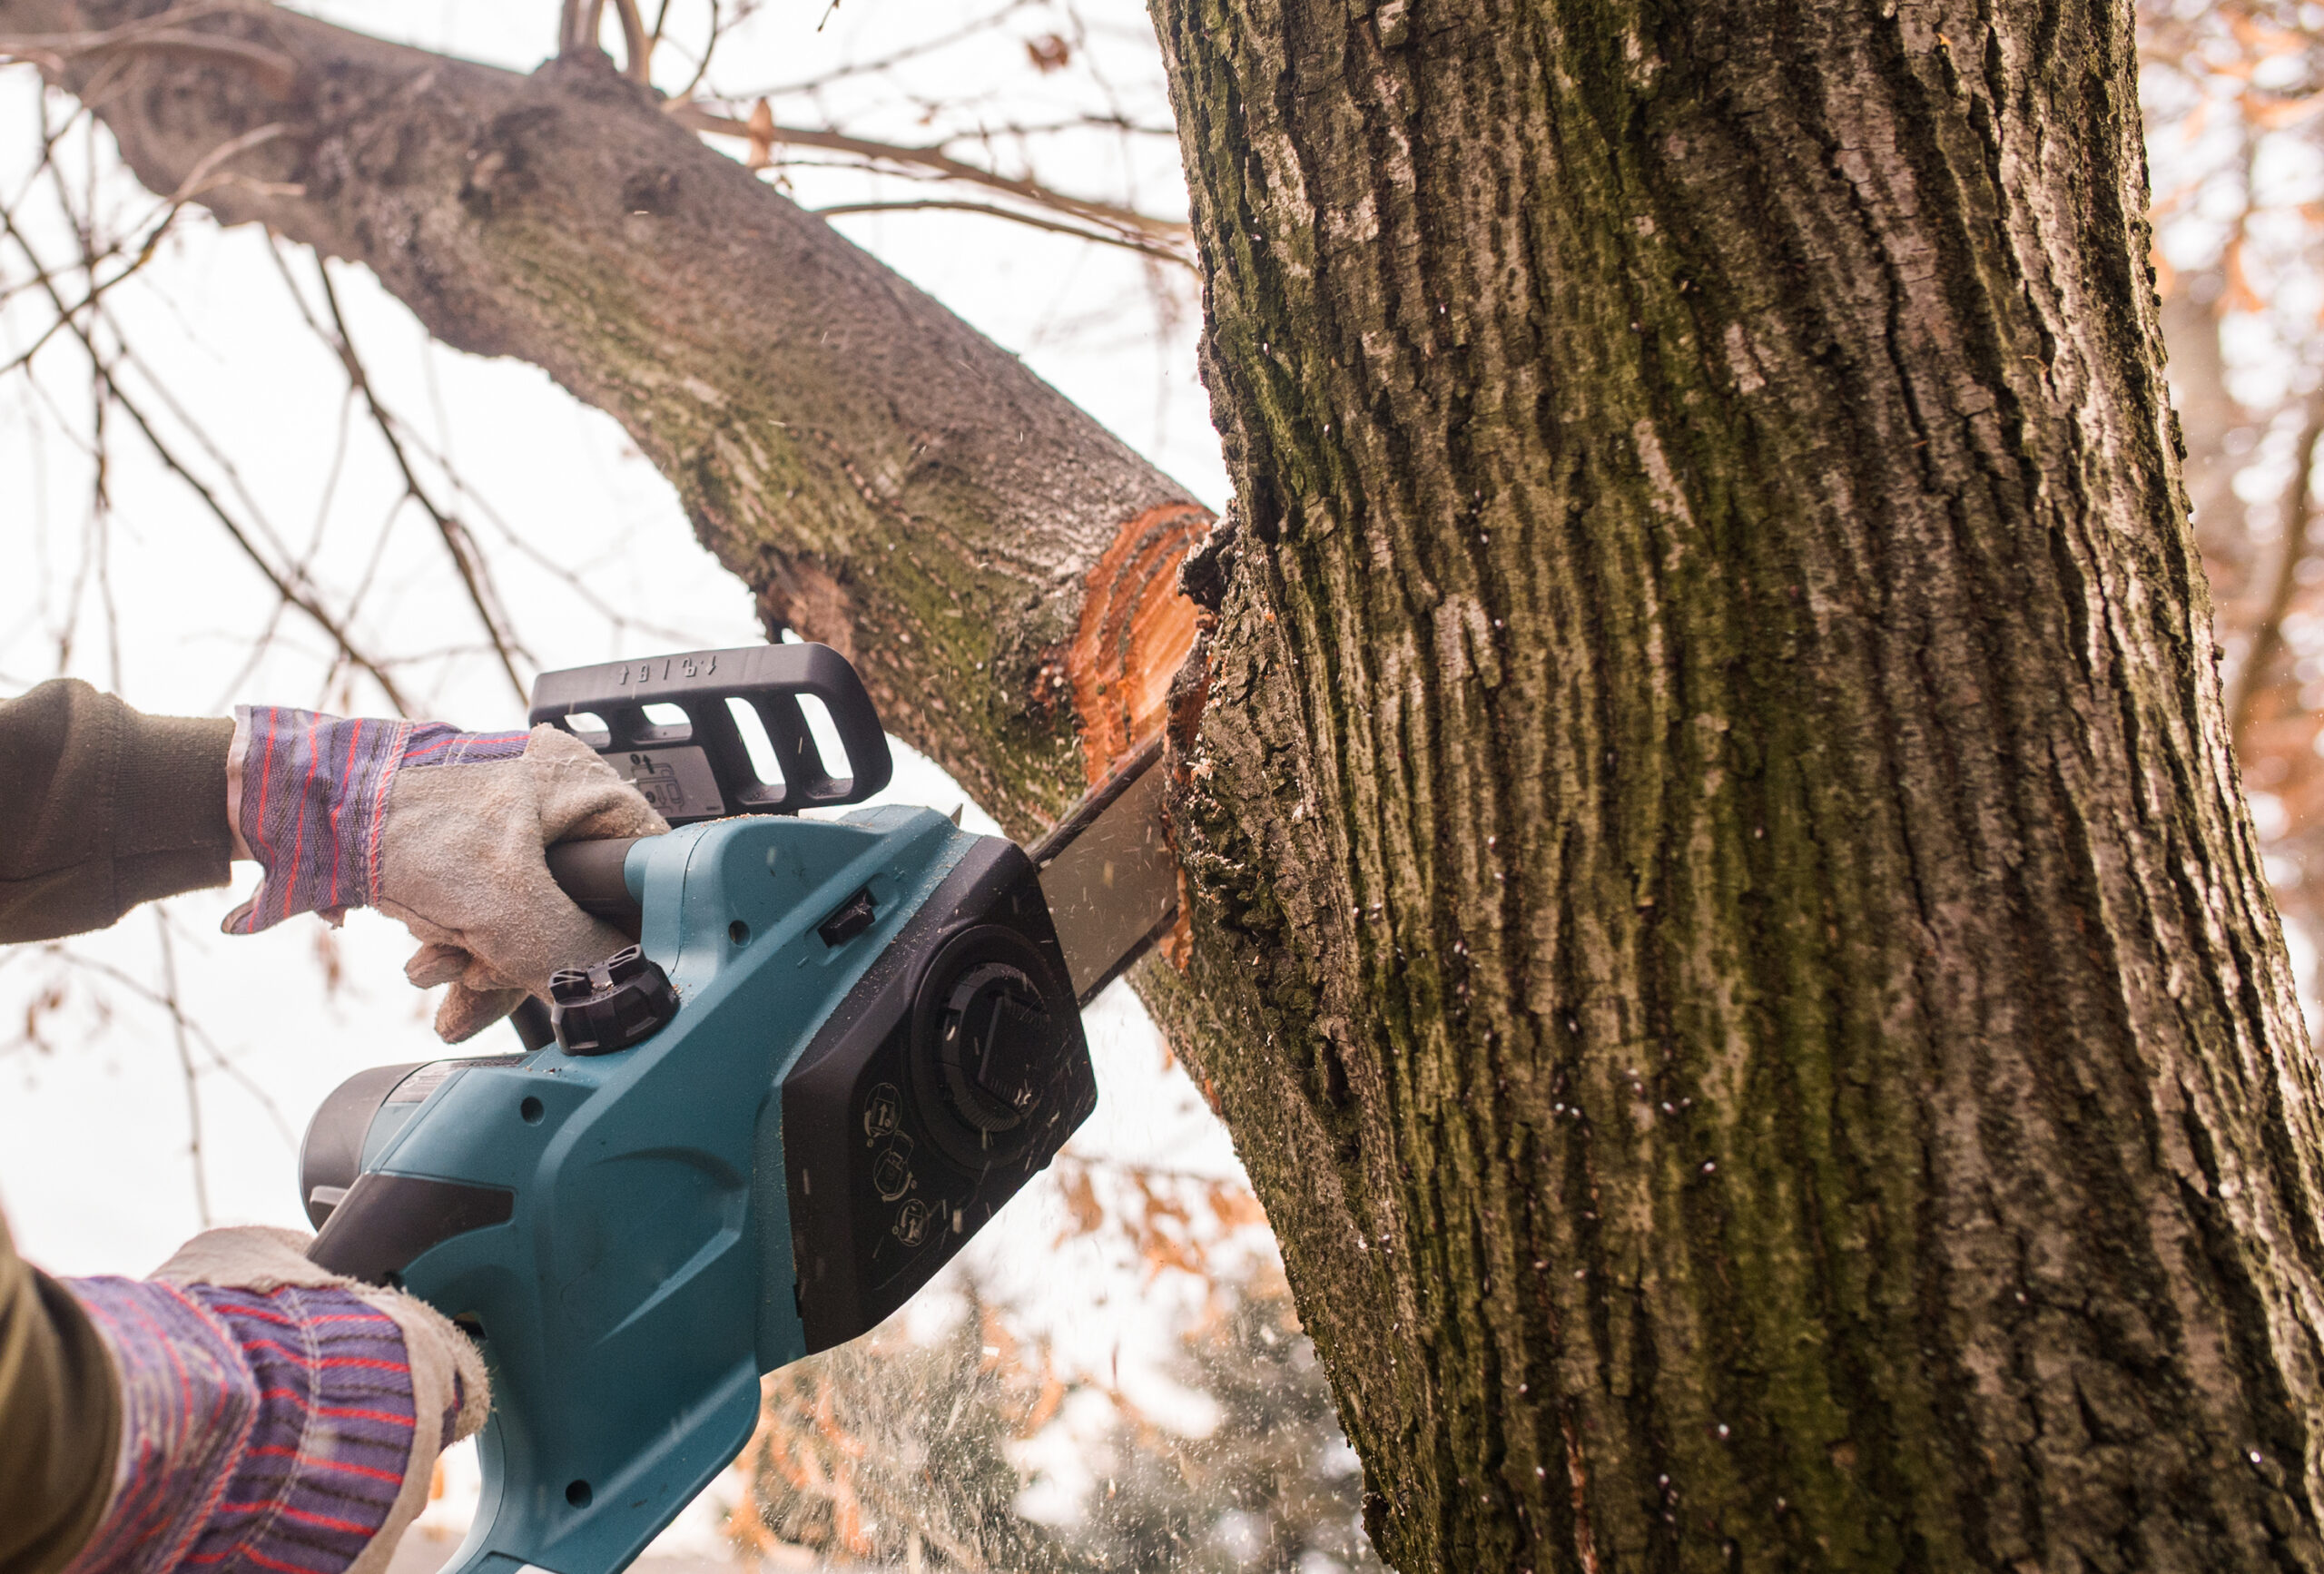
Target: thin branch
184 418
2252 678
161 450
709 50
264 641
163 34
453 533
200 178
314 611
761 132
894 58
1104 237
637 43
186 1068
203 178
578 25
101 531
145 992
613 614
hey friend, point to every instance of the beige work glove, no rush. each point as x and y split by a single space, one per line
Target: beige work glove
273 1415
443 830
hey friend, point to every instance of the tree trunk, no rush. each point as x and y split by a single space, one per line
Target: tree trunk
1000 567
1725 934
1713 751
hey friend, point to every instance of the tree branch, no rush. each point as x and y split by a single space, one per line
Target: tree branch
637 46
1033 220
449 530
2252 677
1000 568
282 584
162 34
1168 238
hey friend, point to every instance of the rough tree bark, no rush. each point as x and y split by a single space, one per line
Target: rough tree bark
1725 931
1713 744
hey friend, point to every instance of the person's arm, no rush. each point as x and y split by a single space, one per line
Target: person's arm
445 830
60 1420
103 807
241 1407
273 1416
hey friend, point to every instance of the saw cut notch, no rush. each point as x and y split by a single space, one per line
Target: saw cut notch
1135 632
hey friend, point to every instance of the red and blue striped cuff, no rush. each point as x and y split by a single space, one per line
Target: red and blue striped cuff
262 1430
312 790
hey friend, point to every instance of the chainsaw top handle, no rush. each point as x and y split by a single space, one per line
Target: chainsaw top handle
699 768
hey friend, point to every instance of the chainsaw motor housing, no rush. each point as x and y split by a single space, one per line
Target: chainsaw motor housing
867 1042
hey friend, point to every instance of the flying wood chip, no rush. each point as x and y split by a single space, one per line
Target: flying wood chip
760 129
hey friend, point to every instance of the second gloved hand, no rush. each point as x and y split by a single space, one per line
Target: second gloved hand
273 1416
443 830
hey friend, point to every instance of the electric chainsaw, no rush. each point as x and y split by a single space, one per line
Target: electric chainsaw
837 1046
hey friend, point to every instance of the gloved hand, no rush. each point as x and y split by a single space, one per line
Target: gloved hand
443 830
273 1416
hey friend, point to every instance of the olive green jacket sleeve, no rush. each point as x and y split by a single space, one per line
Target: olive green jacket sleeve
101 808
60 1420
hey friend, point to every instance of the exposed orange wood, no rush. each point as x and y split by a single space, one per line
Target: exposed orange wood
1135 632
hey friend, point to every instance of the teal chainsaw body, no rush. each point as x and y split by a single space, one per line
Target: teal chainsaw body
839 1047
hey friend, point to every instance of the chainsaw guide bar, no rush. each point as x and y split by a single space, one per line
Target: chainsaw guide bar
1107 869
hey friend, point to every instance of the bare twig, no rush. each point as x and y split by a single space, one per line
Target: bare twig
1080 232
163 34
2252 678
637 44
1167 236
161 450
457 541
219 1060
884 62
313 609
203 178
576 32
577 23
616 617
709 49
185 1065
200 178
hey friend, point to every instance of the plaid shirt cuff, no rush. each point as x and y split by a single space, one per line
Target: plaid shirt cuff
268 1432
309 792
